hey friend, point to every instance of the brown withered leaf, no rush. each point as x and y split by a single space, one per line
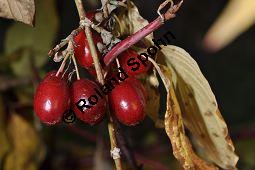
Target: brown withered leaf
174 127
199 108
130 21
22 10
153 102
26 148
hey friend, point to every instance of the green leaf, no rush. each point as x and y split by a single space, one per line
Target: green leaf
36 40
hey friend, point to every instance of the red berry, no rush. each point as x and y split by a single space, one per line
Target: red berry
90 15
51 99
52 74
92 106
128 102
135 66
137 84
82 51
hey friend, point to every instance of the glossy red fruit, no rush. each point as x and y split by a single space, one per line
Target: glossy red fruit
93 106
137 84
52 75
131 64
51 99
128 102
82 52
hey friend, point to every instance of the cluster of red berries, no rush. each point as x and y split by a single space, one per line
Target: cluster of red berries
54 95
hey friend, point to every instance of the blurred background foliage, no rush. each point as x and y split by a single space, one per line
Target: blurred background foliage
26 144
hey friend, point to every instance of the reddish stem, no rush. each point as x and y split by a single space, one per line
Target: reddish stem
131 40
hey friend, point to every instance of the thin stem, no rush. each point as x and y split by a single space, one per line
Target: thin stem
92 47
65 41
62 65
100 78
114 145
68 51
76 68
131 40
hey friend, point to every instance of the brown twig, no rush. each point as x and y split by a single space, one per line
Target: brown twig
65 41
69 50
83 23
100 78
92 47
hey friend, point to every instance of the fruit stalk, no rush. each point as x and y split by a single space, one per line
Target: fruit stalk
65 41
76 68
131 40
92 47
100 78
69 49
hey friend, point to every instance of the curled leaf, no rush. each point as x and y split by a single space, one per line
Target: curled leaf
59 56
22 10
199 108
174 127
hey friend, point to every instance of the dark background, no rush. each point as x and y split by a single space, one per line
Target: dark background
230 73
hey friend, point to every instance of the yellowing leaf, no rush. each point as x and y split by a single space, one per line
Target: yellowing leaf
153 103
237 17
37 41
22 10
175 130
26 149
199 108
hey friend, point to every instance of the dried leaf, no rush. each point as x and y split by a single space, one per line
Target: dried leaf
22 10
175 130
131 21
153 103
236 18
37 41
199 108
26 148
